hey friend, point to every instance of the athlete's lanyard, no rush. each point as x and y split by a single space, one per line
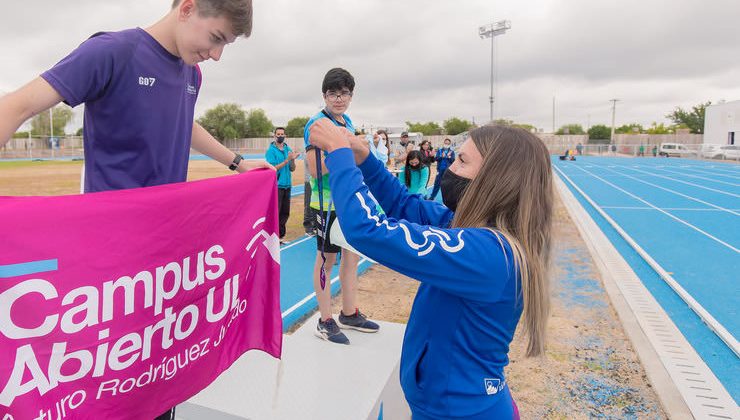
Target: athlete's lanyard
320 187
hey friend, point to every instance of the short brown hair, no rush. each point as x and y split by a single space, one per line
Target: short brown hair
238 12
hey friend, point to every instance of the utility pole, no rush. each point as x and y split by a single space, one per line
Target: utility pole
492 30
614 111
553 115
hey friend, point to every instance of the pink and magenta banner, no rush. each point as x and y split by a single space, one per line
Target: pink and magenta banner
123 304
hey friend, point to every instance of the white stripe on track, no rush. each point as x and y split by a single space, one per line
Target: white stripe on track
307 298
674 192
703 314
678 219
687 183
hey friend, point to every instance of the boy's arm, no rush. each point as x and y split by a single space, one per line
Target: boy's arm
205 143
24 103
311 162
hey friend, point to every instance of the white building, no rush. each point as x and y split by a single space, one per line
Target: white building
722 123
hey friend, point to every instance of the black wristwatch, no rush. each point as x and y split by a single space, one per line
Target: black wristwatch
235 164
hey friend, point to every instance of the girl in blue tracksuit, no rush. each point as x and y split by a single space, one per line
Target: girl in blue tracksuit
481 267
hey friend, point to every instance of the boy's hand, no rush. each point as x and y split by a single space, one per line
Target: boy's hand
293 155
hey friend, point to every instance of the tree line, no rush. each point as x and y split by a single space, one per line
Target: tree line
230 121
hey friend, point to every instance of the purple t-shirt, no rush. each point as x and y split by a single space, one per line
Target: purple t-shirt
139 105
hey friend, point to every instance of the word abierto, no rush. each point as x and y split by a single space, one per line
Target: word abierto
86 307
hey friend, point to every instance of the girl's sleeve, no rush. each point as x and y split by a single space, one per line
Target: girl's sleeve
471 263
394 197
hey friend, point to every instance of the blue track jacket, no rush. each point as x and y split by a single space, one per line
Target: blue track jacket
467 308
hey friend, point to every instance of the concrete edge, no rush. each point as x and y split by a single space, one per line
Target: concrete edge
668 394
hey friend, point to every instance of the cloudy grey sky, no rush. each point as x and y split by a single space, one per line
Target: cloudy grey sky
422 60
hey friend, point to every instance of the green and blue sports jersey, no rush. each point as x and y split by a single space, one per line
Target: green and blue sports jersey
326 189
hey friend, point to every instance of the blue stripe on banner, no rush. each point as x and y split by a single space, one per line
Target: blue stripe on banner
15 270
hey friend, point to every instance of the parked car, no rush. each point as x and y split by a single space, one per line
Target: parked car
675 149
729 151
710 150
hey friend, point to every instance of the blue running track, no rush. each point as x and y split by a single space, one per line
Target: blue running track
686 215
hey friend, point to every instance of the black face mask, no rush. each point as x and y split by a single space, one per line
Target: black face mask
452 186
280 139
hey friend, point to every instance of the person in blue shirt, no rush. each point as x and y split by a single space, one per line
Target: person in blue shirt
481 259
444 158
280 155
415 174
337 87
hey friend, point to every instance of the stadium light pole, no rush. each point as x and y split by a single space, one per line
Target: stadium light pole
614 111
492 30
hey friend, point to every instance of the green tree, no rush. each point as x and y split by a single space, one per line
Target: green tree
599 132
656 128
454 126
633 128
258 125
503 121
79 132
694 118
225 121
528 127
61 116
428 129
20 135
571 129
294 128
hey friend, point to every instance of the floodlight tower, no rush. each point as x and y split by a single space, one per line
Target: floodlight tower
614 112
492 30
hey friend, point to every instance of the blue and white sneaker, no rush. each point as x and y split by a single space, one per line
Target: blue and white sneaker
357 321
329 331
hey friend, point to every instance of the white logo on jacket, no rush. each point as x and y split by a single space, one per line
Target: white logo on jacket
428 245
493 385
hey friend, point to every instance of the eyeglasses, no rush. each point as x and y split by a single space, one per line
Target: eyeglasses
334 96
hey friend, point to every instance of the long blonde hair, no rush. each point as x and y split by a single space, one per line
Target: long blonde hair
513 195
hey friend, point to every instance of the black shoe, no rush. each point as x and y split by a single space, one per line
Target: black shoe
329 331
357 321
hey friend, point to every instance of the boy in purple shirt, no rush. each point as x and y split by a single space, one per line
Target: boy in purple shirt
139 87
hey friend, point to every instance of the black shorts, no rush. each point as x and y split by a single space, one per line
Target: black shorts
319 222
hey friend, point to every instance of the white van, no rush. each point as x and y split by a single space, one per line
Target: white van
675 149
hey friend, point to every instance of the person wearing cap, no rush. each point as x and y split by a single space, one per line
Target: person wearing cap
400 151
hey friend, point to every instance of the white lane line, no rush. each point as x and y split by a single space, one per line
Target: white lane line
687 183
675 192
294 243
307 298
701 177
678 219
734 177
705 316
663 208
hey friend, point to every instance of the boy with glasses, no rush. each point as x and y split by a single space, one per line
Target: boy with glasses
337 88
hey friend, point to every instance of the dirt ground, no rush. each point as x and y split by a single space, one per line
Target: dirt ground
590 369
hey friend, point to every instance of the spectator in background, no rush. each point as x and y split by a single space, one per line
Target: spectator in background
282 158
378 146
444 157
383 136
641 150
655 150
400 151
427 153
415 174
614 149
579 148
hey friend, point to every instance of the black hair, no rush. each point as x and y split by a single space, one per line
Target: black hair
278 128
337 79
414 154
